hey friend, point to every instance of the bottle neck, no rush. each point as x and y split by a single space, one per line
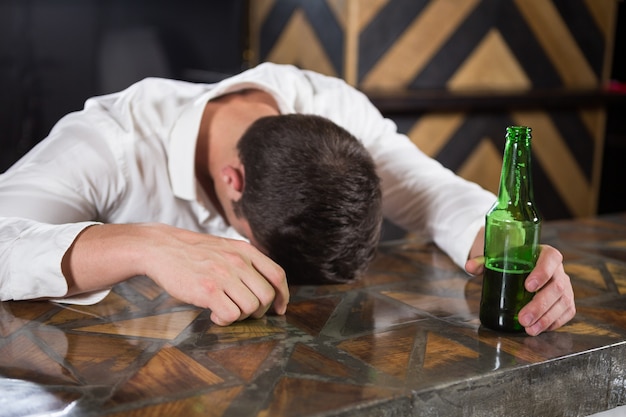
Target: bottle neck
516 186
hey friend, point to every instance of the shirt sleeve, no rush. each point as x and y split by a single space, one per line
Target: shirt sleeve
30 260
419 194
46 199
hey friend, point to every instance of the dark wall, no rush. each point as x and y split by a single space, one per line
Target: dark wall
54 54
612 191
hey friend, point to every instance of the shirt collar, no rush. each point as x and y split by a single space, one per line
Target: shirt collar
182 145
182 150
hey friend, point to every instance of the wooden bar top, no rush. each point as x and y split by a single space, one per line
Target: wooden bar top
404 341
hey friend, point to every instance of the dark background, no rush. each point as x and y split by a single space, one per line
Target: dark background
54 54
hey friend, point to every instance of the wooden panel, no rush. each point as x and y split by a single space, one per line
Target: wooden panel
468 47
435 43
471 144
308 34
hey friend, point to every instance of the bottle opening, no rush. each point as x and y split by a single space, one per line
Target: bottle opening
518 130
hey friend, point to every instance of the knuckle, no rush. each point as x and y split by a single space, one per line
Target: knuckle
266 297
210 287
279 278
559 256
571 309
251 306
556 254
560 286
543 303
241 246
544 323
235 259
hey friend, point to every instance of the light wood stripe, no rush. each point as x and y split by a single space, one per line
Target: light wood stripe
558 163
587 273
483 166
351 41
367 10
261 8
491 66
258 12
619 275
162 326
297 37
340 11
604 13
440 349
557 42
597 132
432 131
413 50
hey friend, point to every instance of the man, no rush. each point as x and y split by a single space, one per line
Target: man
200 186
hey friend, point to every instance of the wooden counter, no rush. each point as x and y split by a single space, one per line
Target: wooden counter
404 341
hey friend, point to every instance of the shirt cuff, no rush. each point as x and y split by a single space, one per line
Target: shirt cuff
465 242
36 260
83 299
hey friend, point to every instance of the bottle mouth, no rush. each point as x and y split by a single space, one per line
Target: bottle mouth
518 133
518 130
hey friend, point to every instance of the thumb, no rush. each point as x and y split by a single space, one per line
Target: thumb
475 266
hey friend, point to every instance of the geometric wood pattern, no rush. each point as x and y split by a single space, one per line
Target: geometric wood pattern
565 152
465 46
405 340
435 44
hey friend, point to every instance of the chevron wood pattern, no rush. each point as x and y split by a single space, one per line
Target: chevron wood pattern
454 44
465 47
565 152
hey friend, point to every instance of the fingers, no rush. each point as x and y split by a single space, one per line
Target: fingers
258 282
230 277
276 277
223 310
549 260
261 294
553 304
547 312
238 302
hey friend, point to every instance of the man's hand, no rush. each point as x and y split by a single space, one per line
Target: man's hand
553 304
230 277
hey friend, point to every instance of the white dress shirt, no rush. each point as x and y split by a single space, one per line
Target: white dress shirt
129 157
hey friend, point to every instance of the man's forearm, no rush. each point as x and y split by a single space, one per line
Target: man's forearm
104 255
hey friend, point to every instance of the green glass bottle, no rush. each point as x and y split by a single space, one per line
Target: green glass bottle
512 234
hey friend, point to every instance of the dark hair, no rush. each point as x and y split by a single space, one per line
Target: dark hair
311 196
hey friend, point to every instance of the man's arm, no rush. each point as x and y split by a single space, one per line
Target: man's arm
553 304
230 277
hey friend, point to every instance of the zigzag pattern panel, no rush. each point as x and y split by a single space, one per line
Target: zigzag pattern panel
465 46
486 44
309 34
452 44
471 144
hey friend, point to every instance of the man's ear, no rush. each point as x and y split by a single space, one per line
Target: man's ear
233 179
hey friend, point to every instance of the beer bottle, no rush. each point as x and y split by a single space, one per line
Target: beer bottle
512 233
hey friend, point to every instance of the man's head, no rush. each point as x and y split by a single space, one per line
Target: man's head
311 196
